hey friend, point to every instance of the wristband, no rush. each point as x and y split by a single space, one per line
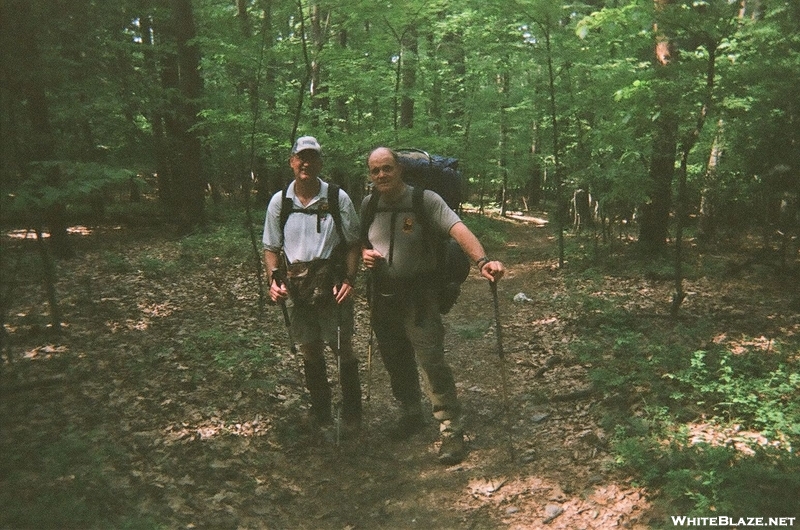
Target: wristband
482 262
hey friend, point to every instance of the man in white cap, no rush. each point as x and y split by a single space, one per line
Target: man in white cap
312 251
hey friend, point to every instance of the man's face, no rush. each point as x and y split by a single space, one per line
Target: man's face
384 171
306 164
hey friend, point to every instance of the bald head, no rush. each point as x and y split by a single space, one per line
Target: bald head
382 151
385 172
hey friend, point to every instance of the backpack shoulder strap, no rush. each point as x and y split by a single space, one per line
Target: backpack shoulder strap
367 216
418 205
286 209
335 209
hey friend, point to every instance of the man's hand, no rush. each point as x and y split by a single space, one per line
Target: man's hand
493 270
371 258
342 291
277 291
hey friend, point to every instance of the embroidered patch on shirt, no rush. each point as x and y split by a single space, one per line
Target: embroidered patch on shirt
408 225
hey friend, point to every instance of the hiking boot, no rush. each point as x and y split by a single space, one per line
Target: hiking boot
317 385
452 451
409 424
315 421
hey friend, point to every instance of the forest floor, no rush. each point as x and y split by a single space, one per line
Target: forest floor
170 399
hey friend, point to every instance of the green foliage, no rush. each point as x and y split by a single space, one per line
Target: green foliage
155 267
115 263
64 182
228 241
505 87
491 232
702 479
659 390
746 388
230 350
473 330
757 391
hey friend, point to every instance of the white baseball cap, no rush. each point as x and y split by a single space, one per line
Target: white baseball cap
306 142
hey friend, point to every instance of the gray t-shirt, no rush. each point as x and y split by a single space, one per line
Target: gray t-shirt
406 253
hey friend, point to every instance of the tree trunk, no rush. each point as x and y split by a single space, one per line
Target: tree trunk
270 71
686 148
707 222
408 61
39 148
319 92
561 202
503 84
49 282
436 113
342 113
165 125
244 19
654 221
189 179
534 181
301 89
456 102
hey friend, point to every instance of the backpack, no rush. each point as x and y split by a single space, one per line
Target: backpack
440 175
287 208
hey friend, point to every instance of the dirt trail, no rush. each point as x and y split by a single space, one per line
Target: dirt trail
201 447
558 477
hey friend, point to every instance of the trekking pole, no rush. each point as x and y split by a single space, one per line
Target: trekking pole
503 375
339 368
285 310
370 302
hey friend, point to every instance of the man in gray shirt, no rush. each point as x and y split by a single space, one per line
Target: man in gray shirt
405 309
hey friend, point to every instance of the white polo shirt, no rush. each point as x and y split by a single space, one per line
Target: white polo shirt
302 242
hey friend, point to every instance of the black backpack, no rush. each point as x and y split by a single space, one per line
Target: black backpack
287 208
440 175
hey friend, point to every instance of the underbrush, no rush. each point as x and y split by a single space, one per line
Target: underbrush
231 351
490 231
703 412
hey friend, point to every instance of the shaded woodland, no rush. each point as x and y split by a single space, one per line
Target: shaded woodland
636 164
